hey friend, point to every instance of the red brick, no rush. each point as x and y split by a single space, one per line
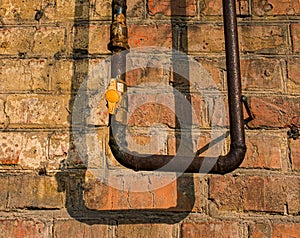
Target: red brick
263 151
255 193
145 230
226 192
214 7
214 80
172 8
264 39
286 230
295 154
261 74
275 112
161 35
293 84
275 8
148 69
260 230
77 229
296 37
211 229
200 41
29 228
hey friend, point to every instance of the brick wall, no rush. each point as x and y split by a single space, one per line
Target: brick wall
59 178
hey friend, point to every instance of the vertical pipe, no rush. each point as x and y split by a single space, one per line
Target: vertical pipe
233 72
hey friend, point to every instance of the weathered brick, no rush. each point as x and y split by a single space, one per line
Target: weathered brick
255 193
295 154
275 8
29 228
49 40
268 229
295 28
211 229
18 11
38 110
200 41
215 68
30 40
28 150
3 191
263 151
226 192
161 35
260 230
131 192
286 230
264 39
274 112
77 229
29 191
293 84
214 8
261 74
145 230
172 8
91 38
67 10
254 39
29 75
4 120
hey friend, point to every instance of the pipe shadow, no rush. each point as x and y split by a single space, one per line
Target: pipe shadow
72 176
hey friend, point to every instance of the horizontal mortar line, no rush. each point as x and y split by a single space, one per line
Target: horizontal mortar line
265 172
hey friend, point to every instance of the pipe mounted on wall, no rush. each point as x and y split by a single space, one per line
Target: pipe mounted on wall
220 165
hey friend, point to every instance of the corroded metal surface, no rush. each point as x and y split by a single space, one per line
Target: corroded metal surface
220 165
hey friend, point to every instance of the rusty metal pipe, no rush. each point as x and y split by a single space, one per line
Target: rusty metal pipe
220 165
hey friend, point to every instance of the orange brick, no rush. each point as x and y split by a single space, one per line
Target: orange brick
200 41
296 37
25 228
276 8
145 230
264 39
293 84
263 151
295 154
211 229
214 7
274 112
261 74
82 228
161 36
172 8
255 193
286 230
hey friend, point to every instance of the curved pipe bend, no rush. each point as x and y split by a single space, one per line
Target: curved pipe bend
194 163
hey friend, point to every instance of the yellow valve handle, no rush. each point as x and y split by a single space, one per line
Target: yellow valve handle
113 94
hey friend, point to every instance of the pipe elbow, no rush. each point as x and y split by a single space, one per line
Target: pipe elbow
232 160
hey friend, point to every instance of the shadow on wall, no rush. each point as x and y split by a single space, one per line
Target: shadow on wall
72 179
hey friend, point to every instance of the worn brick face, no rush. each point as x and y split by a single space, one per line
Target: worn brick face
58 175
27 228
211 229
174 8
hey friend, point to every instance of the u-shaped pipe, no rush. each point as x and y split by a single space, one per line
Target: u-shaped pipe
220 165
